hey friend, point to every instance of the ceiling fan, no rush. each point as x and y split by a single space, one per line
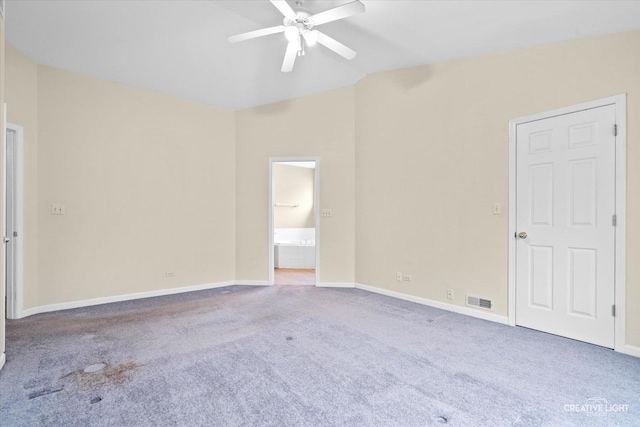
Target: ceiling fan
298 27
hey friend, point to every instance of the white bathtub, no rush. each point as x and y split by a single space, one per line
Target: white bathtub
294 254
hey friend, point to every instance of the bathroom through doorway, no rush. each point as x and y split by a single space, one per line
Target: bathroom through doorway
293 258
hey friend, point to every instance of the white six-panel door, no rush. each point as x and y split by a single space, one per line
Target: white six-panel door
565 202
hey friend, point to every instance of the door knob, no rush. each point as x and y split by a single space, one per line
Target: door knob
7 240
522 235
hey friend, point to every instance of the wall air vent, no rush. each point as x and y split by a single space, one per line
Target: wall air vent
472 301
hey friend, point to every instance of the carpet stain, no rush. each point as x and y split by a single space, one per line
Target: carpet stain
44 392
94 368
442 420
95 400
33 383
289 338
109 375
86 321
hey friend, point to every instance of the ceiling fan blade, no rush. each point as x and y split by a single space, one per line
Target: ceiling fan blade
340 12
336 46
290 55
284 8
256 33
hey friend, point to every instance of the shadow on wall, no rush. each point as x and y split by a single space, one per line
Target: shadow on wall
411 78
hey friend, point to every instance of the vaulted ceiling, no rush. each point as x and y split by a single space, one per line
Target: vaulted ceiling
181 48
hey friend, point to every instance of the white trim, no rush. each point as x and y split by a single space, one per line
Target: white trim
270 247
630 350
621 224
3 280
125 297
511 289
620 102
252 283
437 304
3 358
316 209
15 302
335 285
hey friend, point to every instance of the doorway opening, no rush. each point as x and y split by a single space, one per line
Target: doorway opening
293 221
13 226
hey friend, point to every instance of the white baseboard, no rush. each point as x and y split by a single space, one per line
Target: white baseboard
437 304
252 283
125 297
335 285
631 350
3 358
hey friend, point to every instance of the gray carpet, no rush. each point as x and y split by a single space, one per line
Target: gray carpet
302 356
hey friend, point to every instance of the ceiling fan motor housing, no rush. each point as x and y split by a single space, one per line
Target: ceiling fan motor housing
302 21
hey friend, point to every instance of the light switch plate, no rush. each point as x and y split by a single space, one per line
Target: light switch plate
497 209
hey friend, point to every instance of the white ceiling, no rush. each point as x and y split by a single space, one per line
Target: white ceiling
180 47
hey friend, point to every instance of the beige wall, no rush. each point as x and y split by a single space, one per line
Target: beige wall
432 158
293 185
22 110
319 125
147 180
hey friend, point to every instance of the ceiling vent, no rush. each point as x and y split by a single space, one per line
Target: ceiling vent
472 301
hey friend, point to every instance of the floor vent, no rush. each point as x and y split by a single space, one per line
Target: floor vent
472 301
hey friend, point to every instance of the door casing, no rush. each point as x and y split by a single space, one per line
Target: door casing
15 299
620 103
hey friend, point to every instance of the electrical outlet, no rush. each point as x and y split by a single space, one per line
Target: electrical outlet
58 209
450 294
407 277
325 212
170 274
399 276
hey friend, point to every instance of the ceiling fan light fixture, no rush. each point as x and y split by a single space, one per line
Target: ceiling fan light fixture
292 33
311 37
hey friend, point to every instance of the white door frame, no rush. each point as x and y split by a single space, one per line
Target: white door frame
316 209
620 103
15 294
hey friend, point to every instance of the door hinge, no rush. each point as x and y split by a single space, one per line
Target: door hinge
615 130
613 310
15 234
614 220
